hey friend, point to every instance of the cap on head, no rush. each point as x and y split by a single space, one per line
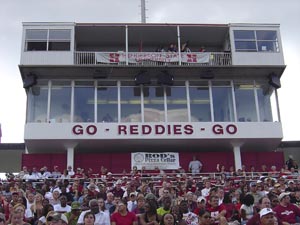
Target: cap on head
75 205
265 211
201 199
282 195
59 216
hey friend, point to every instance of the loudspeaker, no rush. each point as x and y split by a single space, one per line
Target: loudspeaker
274 80
142 78
29 81
165 78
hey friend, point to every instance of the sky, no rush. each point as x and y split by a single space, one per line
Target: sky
14 12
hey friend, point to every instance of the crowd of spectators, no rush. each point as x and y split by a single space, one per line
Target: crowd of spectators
39 197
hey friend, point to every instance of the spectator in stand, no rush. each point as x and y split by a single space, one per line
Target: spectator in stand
140 207
101 217
273 172
117 190
217 212
205 217
188 216
131 202
73 215
167 219
79 173
37 206
68 195
89 219
274 200
201 204
232 213
65 175
45 173
253 191
150 216
46 210
264 171
286 211
264 202
192 205
55 198
102 191
166 205
23 172
122 216
296 198
17 218
56 173
110 180
247 209
92 189
70 171
267 217
207 186
195 166
62 207
109 200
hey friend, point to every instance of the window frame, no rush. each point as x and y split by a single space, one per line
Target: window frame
48 40
257 42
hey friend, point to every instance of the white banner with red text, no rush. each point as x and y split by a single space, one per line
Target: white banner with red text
137 57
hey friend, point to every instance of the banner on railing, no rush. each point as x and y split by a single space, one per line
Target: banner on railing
119 57
152 160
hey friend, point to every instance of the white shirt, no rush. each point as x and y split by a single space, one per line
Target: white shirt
205 192
102 218
59 208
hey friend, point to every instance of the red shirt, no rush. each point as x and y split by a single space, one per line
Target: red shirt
128 219
214 212
287 214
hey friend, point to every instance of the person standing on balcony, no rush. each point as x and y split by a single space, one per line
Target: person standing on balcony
185 47
195 166
172 48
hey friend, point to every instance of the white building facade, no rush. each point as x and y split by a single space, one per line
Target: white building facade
94 87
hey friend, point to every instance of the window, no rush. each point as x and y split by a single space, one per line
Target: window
222 101
37 103
177 105
107 102
84 102
253 41
36 40
60 104
200 101
245 102
59 40
130 103
47 40
154 104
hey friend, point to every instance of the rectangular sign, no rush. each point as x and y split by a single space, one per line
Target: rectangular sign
152 160
167 57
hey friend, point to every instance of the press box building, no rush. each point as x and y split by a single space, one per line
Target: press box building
96 92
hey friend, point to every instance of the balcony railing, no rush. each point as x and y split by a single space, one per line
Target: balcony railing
153 58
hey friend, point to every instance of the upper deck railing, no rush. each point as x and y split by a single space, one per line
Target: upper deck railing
155 59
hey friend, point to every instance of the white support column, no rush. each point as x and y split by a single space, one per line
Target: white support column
237 155
70 156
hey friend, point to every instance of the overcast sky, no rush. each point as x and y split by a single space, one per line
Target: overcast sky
14 12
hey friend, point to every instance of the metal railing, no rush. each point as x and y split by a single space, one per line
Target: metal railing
156 59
